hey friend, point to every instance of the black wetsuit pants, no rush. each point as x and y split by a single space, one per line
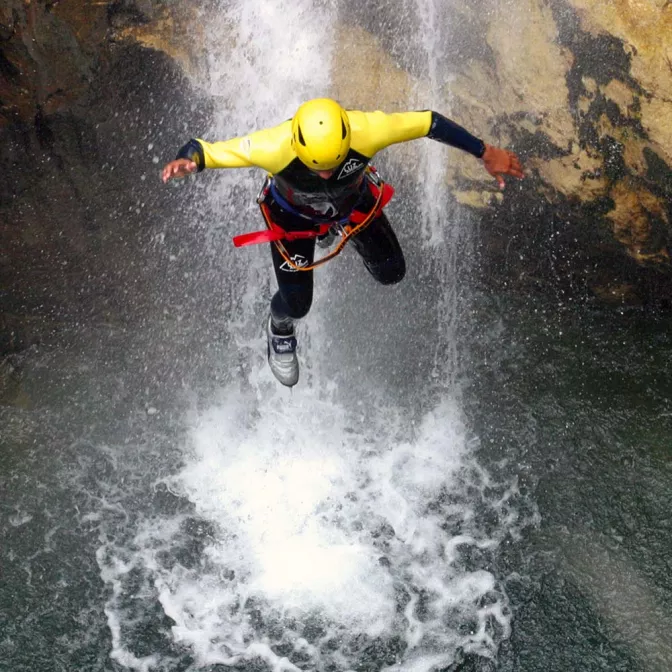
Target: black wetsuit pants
377 244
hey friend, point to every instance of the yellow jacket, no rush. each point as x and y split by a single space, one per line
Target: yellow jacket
271 149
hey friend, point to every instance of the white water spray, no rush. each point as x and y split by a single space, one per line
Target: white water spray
332 533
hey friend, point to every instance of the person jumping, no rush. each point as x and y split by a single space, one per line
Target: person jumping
321 185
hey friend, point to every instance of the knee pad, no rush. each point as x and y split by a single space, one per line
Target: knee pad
389 272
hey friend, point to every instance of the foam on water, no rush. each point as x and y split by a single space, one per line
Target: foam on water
326 542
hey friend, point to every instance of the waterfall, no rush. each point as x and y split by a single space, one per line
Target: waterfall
340 526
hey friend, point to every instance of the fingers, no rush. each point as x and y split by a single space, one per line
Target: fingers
179 168
170 171
515 167
509 165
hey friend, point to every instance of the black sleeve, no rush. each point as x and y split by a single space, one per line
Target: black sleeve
194 152
448 132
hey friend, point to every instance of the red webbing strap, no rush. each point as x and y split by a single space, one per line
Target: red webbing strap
257 237
357 217
277 233
348 232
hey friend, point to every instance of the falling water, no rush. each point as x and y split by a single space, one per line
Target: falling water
335 530
346 525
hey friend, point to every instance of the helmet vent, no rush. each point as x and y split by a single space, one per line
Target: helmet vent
344 130
301 140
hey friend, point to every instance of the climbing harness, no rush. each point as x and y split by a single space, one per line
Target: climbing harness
347 228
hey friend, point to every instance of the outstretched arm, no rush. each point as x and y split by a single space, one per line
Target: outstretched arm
269 149
498 162
378 130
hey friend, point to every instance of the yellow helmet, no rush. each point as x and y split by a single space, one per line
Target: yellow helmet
321 133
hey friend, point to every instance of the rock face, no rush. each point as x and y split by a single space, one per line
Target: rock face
596 136
82 115
581 90
52 51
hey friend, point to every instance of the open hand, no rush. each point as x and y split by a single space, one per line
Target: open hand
499 162
178 168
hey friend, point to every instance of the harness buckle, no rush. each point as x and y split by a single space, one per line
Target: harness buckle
263 192
373 176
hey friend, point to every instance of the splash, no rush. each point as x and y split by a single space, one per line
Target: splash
315 531
328 542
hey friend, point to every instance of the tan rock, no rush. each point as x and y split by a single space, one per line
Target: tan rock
530 75
633 156
478 199
584 104
172 32
590 85
645 26
474 100
657 122
634 213
379 84
578 175
621 94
